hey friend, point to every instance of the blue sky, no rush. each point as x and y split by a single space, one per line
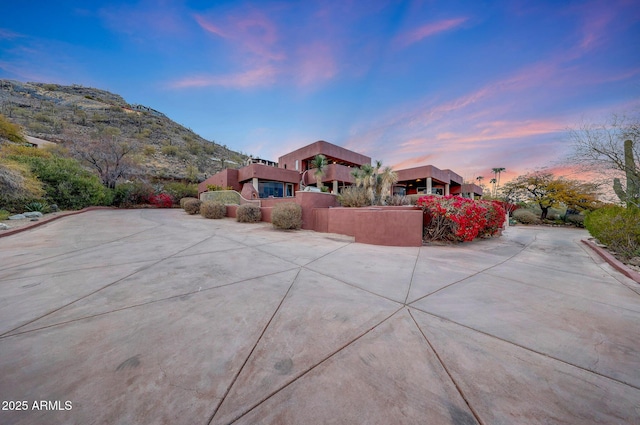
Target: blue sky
467 85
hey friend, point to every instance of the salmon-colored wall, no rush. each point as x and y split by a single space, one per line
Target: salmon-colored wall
379 226
321 147
310 200
265 172
227 177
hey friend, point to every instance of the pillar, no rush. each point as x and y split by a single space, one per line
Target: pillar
446 189
335 187
429 183
255 184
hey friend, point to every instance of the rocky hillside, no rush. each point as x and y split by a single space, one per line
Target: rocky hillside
77 114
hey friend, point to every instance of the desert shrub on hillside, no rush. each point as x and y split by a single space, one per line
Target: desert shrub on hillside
192 206
248 213
215 210
10 131
179 190
617 227
287 215
354 197
525 216
66 182
18 185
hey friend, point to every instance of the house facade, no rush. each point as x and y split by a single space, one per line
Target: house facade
266 179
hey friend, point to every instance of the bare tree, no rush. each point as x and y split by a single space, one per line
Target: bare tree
600 148
107 154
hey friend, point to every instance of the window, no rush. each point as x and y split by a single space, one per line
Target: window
267 189
289 190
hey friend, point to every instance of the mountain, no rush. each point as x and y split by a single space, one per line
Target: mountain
78 114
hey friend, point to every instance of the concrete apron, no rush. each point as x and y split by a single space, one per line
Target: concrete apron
154 316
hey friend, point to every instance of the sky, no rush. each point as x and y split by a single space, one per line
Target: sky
466 85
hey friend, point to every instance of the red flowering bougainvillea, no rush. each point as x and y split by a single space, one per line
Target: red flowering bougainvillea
161 200
460 219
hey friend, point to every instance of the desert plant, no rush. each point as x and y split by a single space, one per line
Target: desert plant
354 197
575 219
287 215
127 195
526 217
398 200
192 206
248 213
179 190
161 200
617 227
185 199
319 163
4 214
36 206
215 210
460 219
170 150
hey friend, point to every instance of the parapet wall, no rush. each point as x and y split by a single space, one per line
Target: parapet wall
389 226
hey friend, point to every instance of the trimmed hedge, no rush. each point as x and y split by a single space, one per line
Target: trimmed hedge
248 213
525 217
287 215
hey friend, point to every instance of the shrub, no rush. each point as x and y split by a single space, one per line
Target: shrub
354 197
192 206
127 195
149 150
10 131
460 219
161 200
18 185
398 200
413 199
525 216
36 206
215 210
170 150
617 227
185 199
179 190
248 213
4 214
287 215
575 219
67 183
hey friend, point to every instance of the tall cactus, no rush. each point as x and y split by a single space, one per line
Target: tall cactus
632 195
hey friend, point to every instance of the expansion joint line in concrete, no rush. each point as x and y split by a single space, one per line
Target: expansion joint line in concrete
446 369
129 307
515 344
83 250
106 286
476 273
413 272
246 360
306 371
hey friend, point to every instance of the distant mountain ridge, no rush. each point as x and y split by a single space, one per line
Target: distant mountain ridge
68 114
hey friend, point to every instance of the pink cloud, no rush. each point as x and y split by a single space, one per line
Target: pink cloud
315 62
412 162
252 78
429 30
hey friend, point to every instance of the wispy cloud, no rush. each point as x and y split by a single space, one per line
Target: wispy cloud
245 79
428 30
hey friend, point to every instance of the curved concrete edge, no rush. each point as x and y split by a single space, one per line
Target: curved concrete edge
49 219
613 261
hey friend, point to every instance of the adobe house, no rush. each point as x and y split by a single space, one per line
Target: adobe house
266 179
283 181
429 180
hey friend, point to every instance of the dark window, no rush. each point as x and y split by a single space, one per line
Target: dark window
267 189
289 190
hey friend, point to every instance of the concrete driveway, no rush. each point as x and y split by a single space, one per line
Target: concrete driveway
157 317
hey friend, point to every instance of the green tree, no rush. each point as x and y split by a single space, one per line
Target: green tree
543 189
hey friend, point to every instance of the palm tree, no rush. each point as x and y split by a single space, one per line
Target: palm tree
496 174
388 179
319 163
493 182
